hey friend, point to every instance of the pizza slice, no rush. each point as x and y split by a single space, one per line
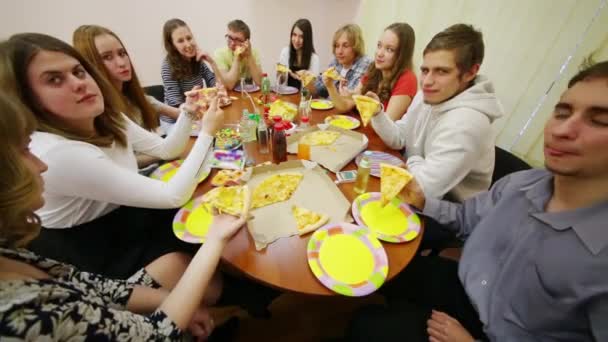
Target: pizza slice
239 50
367 107
276 188
308 221
320 138
333 74
306 77
282 68
392 180
233 200
205 95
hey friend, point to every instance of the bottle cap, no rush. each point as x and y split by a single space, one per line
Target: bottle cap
279 126
364 163
277 118
264 74
305 119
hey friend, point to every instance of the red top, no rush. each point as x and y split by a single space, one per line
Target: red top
406 84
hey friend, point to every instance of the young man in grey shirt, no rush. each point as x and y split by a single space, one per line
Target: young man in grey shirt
535 262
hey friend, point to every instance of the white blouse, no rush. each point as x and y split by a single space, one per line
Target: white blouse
84 181
314 60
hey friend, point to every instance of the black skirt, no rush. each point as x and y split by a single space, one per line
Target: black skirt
117 244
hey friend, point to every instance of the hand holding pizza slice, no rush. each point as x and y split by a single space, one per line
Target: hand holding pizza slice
392 180
367 107
232 200
332 74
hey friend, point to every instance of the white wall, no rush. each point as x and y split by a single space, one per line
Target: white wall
139 23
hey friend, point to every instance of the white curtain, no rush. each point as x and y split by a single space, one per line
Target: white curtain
526 43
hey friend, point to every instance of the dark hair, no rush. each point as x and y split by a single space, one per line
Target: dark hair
403 61
308 48
464 40
237 25
594 71
136 103
181 68
109 126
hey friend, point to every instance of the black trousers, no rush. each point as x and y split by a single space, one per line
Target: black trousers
428 283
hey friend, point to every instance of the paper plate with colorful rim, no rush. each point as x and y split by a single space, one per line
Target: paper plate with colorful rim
347 259
378 157
396 222
321 104
166 171
249 88
192 221
342 121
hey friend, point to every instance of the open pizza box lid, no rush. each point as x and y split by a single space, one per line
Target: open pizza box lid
335 156
316 192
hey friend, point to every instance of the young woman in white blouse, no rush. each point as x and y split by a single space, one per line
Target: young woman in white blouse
99 213
300 54
42 299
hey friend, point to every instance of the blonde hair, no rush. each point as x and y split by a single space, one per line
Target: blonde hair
19 190
18 54
134 99
354 36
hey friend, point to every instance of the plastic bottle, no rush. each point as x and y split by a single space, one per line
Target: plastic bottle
304 106
279 144
262 137
265 88
304 123
363 173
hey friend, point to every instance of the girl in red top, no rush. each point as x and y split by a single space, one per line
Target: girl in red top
390 78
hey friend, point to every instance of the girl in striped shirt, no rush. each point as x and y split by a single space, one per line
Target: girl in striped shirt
184 66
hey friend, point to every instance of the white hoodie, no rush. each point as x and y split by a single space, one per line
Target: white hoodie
449 146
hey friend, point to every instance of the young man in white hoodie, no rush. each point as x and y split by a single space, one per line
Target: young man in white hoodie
446 132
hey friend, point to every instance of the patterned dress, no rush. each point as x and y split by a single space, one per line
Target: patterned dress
75 306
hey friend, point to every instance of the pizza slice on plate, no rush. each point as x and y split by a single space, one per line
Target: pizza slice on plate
332 73
392 180
276 188
233 200
306 77
307 220
366 106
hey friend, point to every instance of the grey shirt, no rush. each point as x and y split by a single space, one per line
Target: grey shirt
531 275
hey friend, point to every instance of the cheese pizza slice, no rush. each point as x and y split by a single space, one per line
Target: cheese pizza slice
282 68
276 188
232 200
205 95
306 77
320 138
392 180
366 106
308 221
239 50
332 73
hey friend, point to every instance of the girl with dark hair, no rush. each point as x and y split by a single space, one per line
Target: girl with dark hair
184 66
300 54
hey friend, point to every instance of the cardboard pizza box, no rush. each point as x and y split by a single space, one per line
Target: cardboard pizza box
335 156
316 192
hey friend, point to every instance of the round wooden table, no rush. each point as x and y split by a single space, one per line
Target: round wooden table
283 264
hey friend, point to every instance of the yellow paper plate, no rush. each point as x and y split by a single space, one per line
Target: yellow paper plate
192 221
342 121
347 259
166 171
320 104
396 222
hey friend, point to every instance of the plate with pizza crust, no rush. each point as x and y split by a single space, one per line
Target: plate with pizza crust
396 222
321 104
166 171
378 157
192 221
347 259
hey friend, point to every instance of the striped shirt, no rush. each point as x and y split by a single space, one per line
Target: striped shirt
174 89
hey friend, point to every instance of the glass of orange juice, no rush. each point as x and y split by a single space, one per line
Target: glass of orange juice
303 151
